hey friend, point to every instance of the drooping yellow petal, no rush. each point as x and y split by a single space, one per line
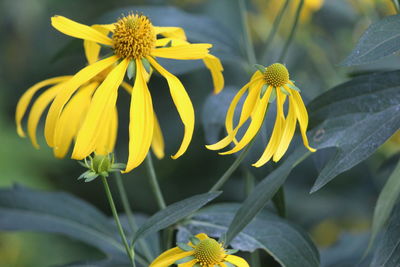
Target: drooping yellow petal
202 236
216 68
127 87
109 27
157 143
288 132
237 261
184 52
104 135
141 125
172 41
276 133
182 103
69 89
24 101
92 49
37 110
223 264
173 32
112 137
302 116
71 118
103 102
171 258
78 30
188 264
256 122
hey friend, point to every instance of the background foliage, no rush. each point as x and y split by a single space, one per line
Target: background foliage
350 125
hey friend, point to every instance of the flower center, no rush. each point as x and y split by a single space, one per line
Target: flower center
134 37
209 252
276 75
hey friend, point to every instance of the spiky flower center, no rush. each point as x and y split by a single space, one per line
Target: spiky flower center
134 37
209 252
276 75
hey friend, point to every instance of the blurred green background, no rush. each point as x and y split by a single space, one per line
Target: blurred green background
328 30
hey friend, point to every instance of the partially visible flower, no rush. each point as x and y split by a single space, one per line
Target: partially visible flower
265 86
201 251
135 43
74 112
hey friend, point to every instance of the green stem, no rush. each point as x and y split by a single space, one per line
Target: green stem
274 29
232 168
130 252
255 259
292 31
279 202
396 4
251 57
131 217
154 183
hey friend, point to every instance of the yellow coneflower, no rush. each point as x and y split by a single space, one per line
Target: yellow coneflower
265 86
203 251
135 43
76 108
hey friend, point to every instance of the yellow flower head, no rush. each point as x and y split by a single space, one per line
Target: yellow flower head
267 85
202 250
136 44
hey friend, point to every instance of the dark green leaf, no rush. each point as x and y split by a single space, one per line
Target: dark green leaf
25 209
387 253
174 213
288 244
386 201
262 193
355 117
381 39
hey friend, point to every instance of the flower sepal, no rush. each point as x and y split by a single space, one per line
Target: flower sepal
99 165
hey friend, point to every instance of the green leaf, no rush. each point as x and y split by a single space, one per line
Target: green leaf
184 246
131 70
381 39
356 118
262 193
288 244
22 209
174 213
386 201
184 260
387 253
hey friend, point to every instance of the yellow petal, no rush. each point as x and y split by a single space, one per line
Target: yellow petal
256 122
169 257
190 51
238 261
157 143
202 236
27 97
288 132
106 27
71 118
173 32
141 125
68 90
182 103
172 41
215 67
37 110
103 102
78 30
92 49
276 133
223 264
302 116
188 264
113 131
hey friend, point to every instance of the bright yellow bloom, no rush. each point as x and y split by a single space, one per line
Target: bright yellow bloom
265 86
202 250
135 43
74 112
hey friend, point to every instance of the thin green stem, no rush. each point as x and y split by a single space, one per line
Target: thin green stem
131 218
130 252
274 28
232 168
251 56
396 4
154 183
292 31
255 259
